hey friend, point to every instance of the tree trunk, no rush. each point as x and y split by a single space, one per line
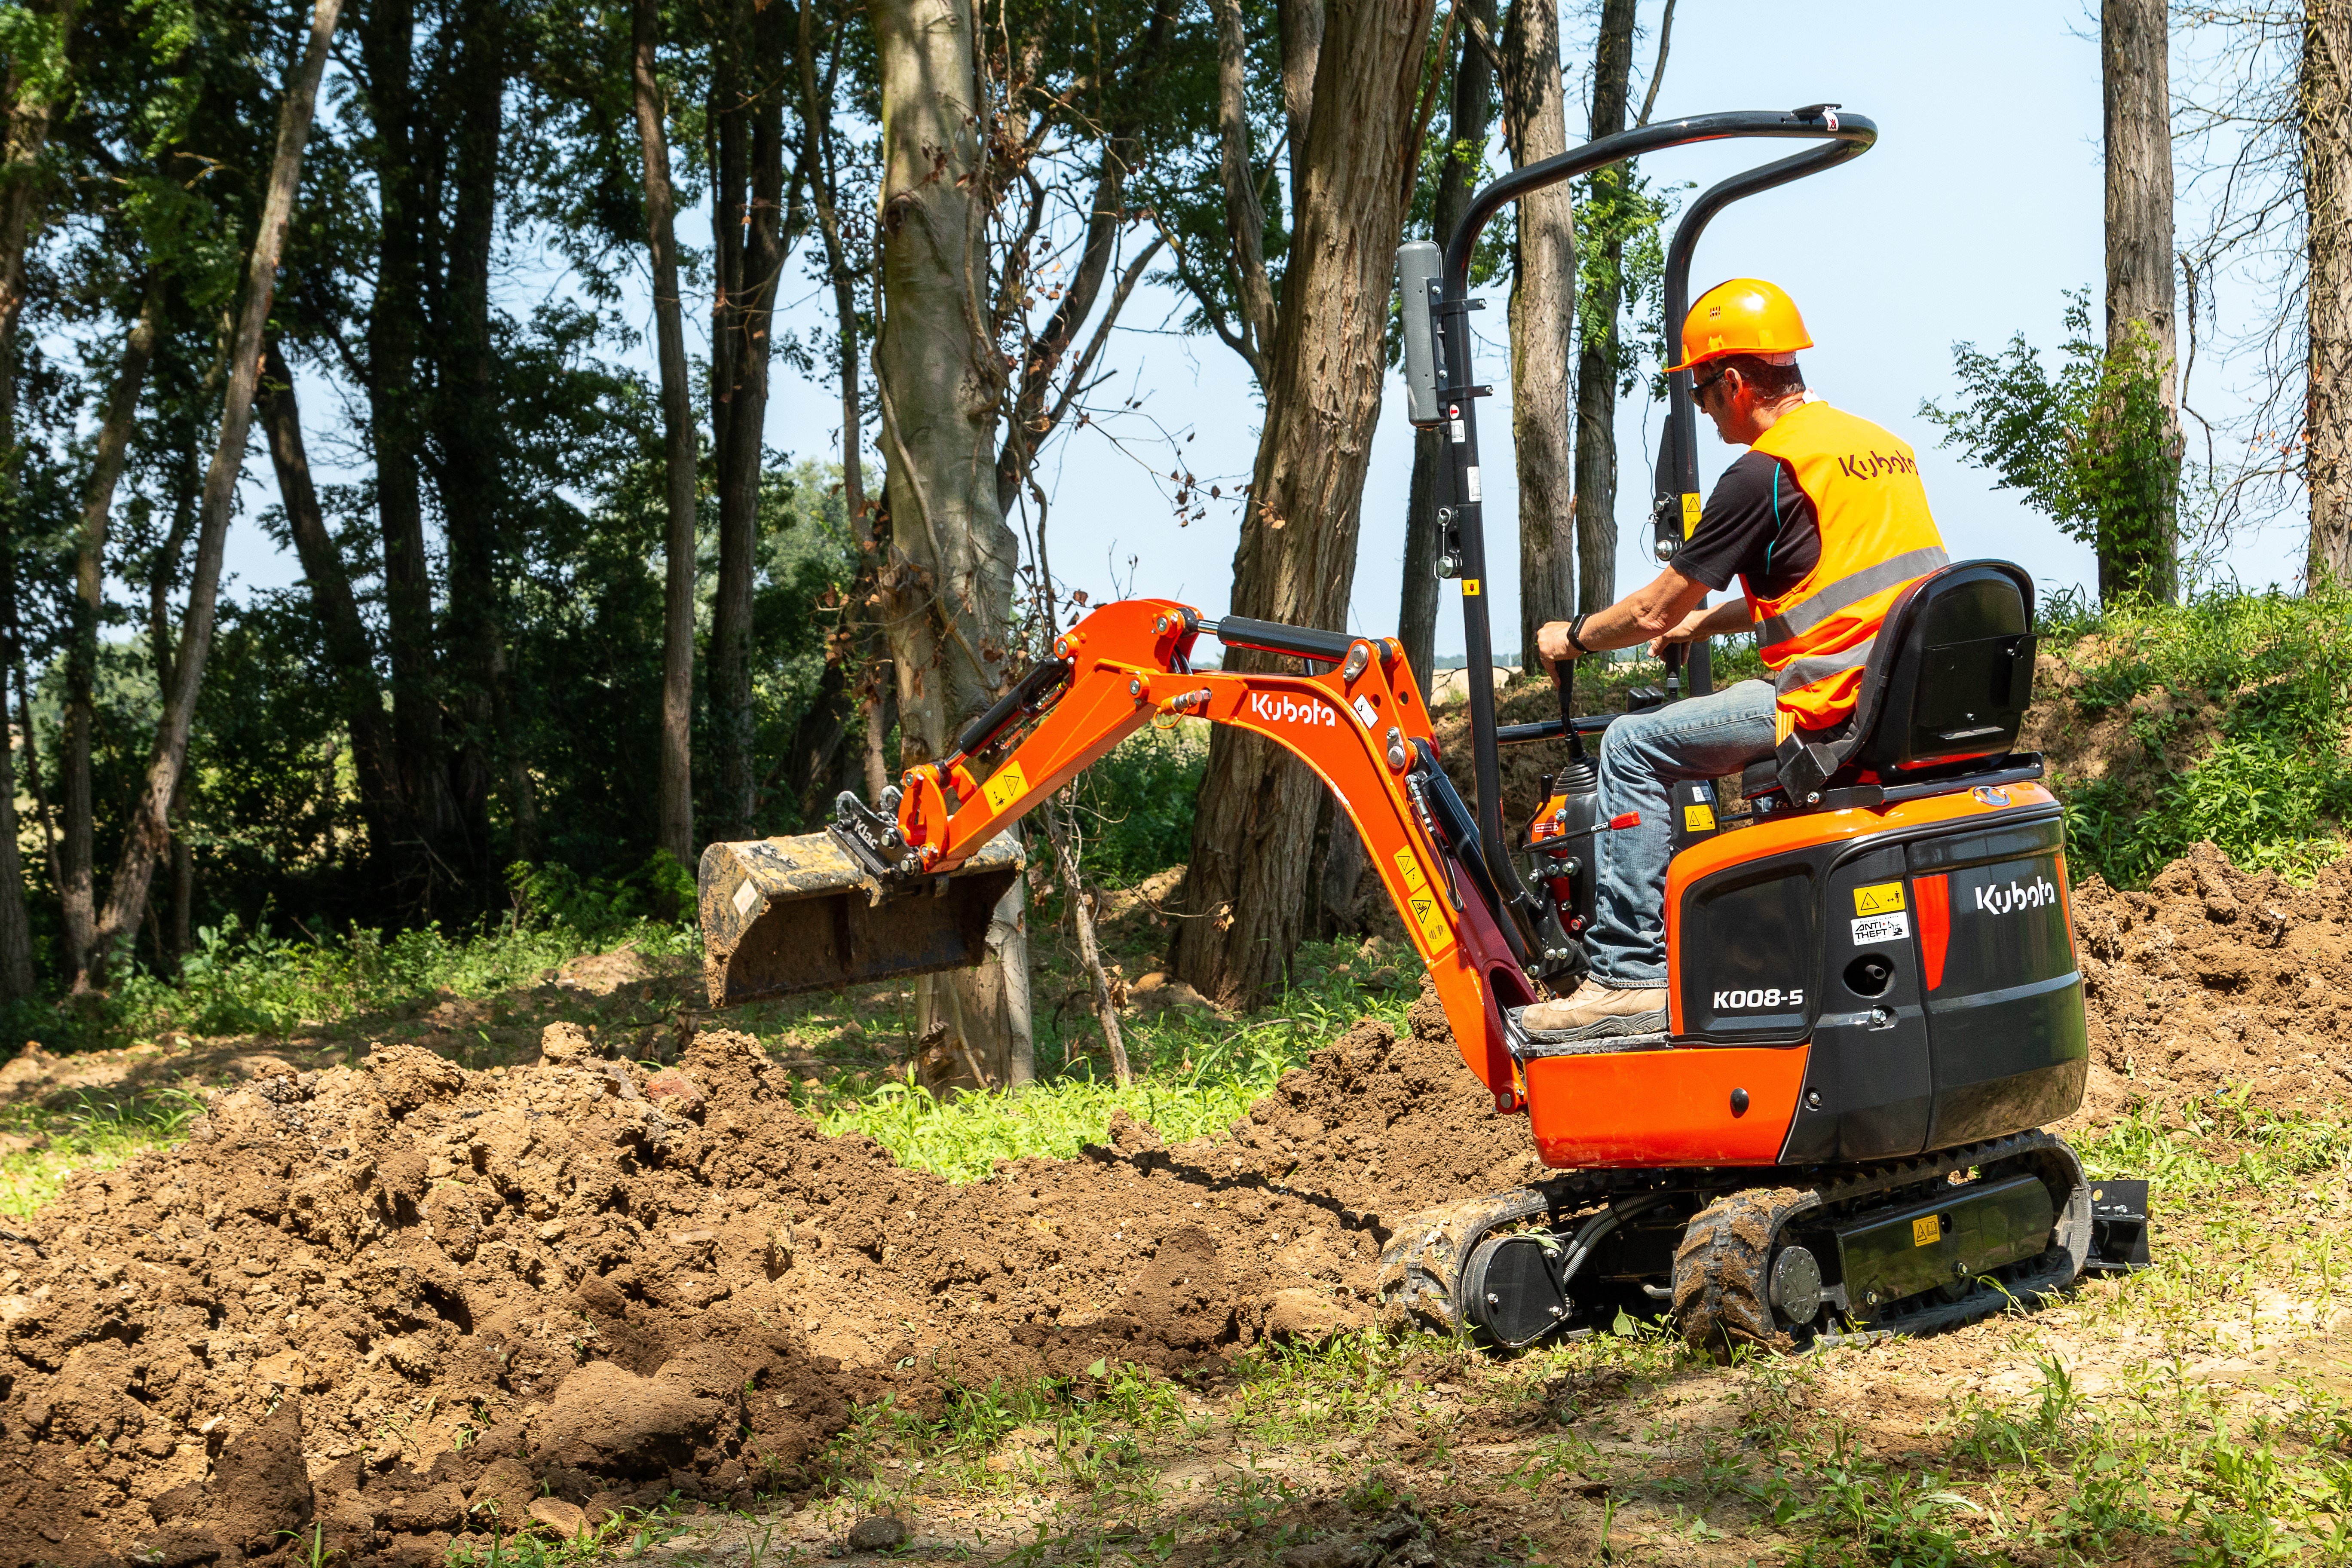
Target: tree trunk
2138 554
148 831
466 410
752 163
1474 107
1246 887
1543 325
674 808
1244 216
1598 364
2325 128
350 654
947 589
16 981
1301 22
77 897
396 430
35 87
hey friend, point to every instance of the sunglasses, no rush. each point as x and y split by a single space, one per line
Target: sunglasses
1700 389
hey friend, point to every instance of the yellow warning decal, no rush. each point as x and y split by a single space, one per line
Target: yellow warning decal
1409 866
1435 935
1699 817
1469 587
1009 785
1927 1231
1879 898
1691 508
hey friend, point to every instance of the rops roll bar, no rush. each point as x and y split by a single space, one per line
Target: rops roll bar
1440 393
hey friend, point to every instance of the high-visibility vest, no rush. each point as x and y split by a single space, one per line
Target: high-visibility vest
1877 538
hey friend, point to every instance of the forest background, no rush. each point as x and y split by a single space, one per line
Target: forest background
536 571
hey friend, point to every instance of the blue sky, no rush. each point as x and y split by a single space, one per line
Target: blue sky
1979 207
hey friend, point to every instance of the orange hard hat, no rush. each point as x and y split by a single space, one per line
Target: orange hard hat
1745 316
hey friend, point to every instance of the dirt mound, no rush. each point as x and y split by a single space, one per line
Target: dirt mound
2217 980
385 1304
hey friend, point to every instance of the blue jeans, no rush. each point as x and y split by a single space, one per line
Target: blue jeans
1643 757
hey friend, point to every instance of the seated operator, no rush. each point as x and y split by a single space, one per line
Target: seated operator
1824 522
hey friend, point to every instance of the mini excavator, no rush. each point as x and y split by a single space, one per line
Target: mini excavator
1874 1008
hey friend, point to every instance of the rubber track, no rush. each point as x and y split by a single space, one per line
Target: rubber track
1722 1284
1721 1294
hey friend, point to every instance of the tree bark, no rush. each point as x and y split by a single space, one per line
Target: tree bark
947 589
1543 324
751 255
17 979
2325 129
33 88
1598 365
350 654
148 831
395 431
1082 924
1474 107
466 409
1301 22
1246 887
674 808
2141 555
77 897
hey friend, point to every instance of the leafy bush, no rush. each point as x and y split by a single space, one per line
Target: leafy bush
2273 789
1135 805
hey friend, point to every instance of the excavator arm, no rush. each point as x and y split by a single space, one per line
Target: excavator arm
1360 724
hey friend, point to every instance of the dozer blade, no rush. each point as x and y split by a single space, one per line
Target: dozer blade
785 915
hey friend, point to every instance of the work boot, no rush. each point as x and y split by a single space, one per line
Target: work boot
1596 1011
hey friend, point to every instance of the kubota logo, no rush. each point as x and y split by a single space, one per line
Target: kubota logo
2017 896
1870 465
1275 707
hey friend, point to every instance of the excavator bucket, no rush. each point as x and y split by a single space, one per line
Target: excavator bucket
785 915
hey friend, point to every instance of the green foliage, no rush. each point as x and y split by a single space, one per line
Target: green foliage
93 1134
1195 1075
1135 805
2273 788
2089 446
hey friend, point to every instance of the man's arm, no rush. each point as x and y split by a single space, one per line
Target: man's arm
1733 615
1653 610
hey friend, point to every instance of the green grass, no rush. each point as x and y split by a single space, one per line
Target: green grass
257 981
1195 1075
96 1134
2272 787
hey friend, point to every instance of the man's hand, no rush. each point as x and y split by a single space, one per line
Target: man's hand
1693 629
1553 648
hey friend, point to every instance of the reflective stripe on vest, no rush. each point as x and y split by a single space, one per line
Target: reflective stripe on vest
1877 537
1846 591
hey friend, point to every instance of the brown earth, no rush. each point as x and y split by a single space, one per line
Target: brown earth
614 1284
391 1303
2215 982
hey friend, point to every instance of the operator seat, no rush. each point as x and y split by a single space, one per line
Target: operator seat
1947 682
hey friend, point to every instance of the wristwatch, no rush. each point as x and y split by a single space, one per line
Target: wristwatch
1575 641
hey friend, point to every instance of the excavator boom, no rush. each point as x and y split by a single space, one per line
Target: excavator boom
908 889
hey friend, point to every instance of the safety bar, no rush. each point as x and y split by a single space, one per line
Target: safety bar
1549 729
1459 511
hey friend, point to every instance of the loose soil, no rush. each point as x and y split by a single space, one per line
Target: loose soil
392 1302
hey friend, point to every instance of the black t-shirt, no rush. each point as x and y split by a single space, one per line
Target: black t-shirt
1757 525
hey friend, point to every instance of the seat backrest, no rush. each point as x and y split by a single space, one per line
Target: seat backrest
1951 673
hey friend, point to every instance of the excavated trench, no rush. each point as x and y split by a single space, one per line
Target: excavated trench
395 1302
